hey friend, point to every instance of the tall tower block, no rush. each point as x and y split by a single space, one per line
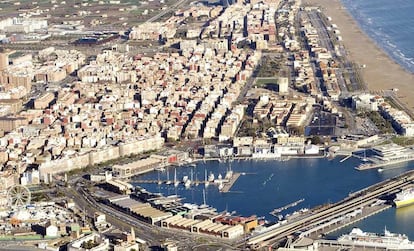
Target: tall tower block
4 60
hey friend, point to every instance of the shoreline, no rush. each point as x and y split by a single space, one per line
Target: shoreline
382 72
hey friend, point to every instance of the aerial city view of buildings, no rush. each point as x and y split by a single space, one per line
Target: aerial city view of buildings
96 92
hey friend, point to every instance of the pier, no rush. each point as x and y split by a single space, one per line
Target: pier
230 183
327 218
347 157
280 209
167 182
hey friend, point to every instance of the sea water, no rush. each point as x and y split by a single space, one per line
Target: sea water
390 24
267 185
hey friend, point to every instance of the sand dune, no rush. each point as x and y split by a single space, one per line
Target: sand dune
381 72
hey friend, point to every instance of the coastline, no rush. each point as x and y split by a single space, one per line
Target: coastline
381 72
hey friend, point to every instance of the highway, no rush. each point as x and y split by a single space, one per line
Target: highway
355 201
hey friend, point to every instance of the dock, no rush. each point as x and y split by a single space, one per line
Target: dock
347 157
230 183
280 209
168 182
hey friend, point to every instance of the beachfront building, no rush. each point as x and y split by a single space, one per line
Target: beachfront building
400 120
367 102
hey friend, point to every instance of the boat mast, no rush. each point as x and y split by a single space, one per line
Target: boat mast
204 197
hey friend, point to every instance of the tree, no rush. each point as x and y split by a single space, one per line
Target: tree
89 244
316 140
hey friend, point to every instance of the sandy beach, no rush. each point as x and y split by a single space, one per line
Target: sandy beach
381 72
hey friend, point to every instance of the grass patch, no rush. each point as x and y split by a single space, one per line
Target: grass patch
382 124
37 197
263 82
267 83
272 66
403 141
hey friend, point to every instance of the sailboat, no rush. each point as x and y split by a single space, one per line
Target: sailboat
187 183
196 182
159 180
204 200
211 177
365 156
206 182
168 177
220 186
176 182
229 173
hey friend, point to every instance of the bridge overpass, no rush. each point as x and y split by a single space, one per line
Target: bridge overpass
323 215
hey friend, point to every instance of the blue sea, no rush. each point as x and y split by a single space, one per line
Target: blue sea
267 185
390 24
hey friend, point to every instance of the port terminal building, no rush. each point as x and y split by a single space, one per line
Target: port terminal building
207 227
143 211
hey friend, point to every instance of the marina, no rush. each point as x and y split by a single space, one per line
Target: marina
224 185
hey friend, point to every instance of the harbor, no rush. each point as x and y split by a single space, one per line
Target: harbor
271 186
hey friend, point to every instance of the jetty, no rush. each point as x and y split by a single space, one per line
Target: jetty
280 209
346 157
227 186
